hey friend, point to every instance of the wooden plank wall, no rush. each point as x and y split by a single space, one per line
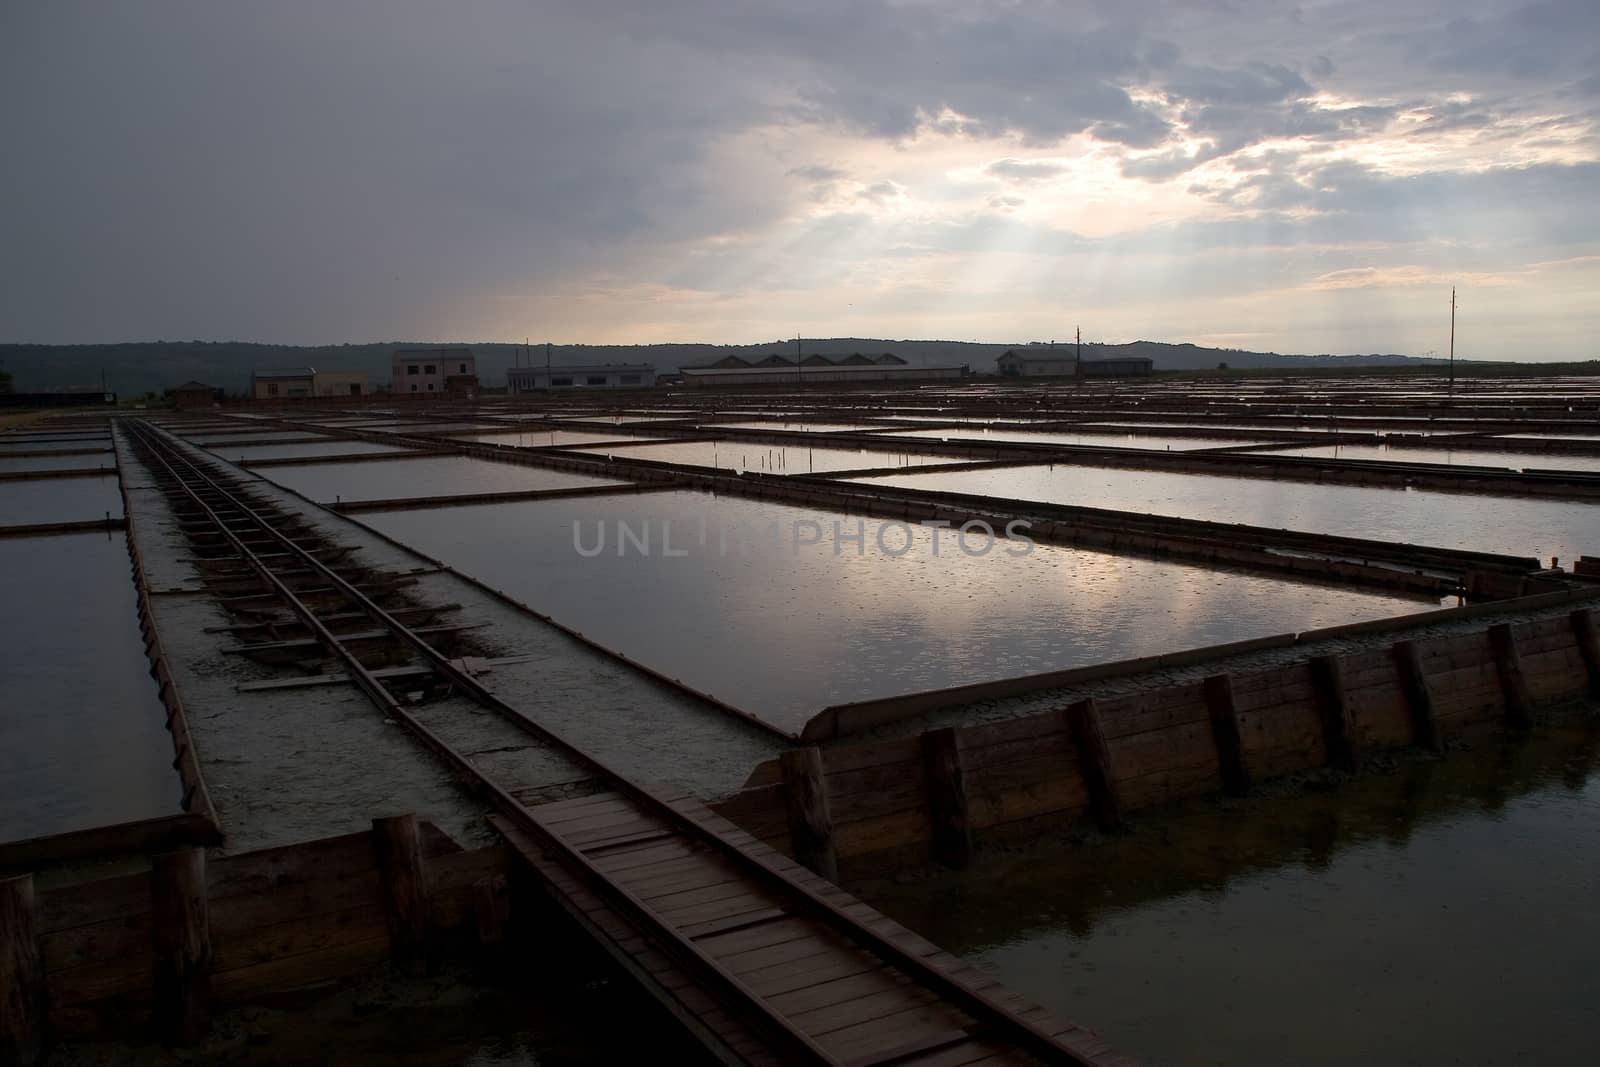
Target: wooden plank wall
1026 776
186 760
279 918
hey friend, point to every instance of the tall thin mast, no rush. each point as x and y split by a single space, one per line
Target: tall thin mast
1452 339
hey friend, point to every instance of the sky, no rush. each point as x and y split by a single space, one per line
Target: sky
1246 174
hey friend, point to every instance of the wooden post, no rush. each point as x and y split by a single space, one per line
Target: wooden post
22 983
398 849
1419 699
1225 732
1508 664
947 797
181 936
1583 628
491 909
1094 762
810 822
1338 733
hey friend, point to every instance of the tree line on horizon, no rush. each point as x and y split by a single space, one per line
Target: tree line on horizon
152 367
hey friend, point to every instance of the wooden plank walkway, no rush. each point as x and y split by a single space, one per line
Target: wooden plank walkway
821 980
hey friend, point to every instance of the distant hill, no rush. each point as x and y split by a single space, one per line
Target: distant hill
134 368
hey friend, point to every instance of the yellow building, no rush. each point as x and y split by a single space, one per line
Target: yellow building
291 383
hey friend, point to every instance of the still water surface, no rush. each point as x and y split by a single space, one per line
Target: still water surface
28 503
333 446
433 476
101 461
1538 528
82 734
1550 461
772 459
784 629
1439 914
1108 440
549 438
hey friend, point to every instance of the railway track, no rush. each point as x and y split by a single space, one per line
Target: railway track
766 962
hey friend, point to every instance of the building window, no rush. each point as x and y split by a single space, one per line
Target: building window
430 369
355 389
411 368
463 368
595 379
630 379
272 389
430 387
413 387
560 381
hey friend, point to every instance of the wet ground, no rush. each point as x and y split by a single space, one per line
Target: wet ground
1440 913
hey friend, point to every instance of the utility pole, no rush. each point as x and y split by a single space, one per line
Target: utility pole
1452 340
797 359
1080 344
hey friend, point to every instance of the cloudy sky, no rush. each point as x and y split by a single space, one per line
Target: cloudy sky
1241 172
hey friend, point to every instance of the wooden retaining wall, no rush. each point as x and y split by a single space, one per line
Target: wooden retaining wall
163 946
185 760
1484 574
855 717
867 810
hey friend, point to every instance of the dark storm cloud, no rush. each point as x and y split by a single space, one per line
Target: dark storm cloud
1525 41
1520 209
310 172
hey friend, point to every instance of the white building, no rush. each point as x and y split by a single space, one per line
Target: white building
434 370
339 383
607 376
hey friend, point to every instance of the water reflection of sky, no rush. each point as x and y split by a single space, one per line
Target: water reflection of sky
785 632
34 501
333 446
547 438
773 459
431 476
1538 528
1063 437
82 735
18 464
1441 914
1551 461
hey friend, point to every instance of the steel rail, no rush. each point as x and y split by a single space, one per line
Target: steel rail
981 1007
790 1038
